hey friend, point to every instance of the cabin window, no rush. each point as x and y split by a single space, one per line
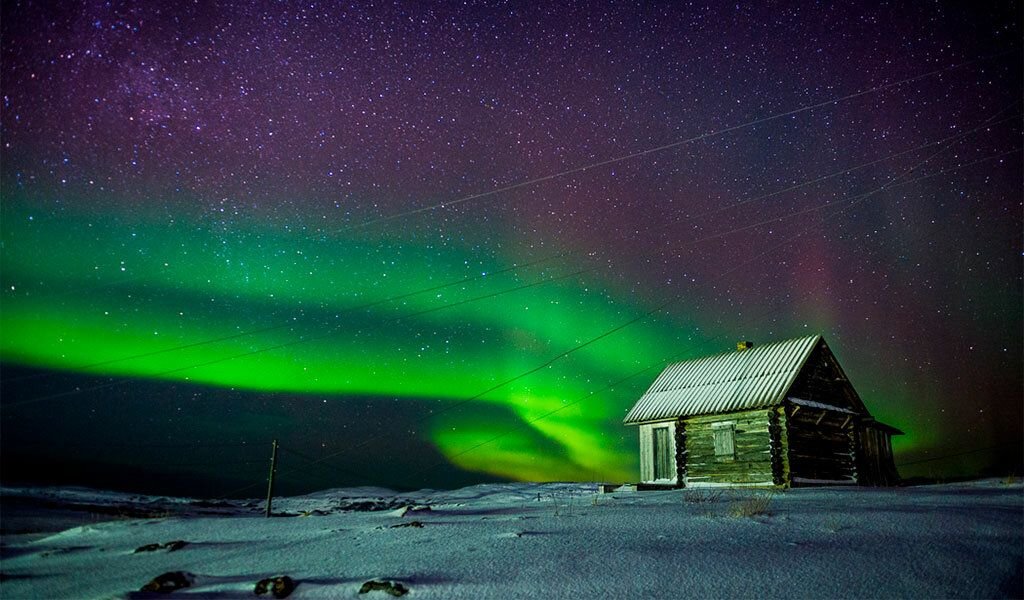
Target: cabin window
662 458
725 439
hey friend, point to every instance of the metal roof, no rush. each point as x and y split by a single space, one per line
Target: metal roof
740 380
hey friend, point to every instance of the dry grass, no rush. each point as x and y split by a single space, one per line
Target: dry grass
702 495
751 506
731 502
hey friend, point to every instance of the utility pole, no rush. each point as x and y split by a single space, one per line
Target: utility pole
270 480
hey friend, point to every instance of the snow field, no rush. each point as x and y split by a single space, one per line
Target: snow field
561 541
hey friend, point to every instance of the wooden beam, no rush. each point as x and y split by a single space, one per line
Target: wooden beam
818 422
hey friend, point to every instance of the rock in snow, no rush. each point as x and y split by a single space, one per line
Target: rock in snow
279 587
169 582
169 546
391 587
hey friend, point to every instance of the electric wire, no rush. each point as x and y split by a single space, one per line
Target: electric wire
638 154
294 320
957 454
301 340
663 147
196 446
322 461
658 308
849 201
854 200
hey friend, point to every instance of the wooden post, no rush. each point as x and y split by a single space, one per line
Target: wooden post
270 480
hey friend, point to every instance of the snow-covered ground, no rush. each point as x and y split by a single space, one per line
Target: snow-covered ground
531 540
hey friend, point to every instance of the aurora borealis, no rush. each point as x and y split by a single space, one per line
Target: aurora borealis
228 222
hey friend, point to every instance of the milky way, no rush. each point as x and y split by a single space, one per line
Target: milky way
366 230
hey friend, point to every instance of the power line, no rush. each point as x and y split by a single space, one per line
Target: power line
124 380
849 201
948 141
965 453
328 466
658 308
196 446
205 463
322 460
663 147
661 306
241 489
556 358
333 467
524 424
293 320
638 154
986 124
675 357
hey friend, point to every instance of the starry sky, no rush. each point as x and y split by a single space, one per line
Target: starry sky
426 247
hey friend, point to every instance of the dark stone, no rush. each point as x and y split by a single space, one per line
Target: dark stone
168 582
392 587
169 546
148 548
280 587
409 524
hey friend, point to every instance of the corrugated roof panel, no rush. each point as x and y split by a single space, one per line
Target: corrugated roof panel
740 380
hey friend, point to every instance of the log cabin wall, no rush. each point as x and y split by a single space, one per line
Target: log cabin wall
681 451
728 449
821 445
875 464
779 438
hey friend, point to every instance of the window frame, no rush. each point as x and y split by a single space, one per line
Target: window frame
723 436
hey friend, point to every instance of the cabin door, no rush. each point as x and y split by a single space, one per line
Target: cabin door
661 454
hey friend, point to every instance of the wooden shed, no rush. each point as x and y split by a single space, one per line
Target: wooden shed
782 414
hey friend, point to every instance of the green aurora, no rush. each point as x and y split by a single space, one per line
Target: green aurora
181 285
142 297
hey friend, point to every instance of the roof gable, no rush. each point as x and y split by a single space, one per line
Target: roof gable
823 377
741 380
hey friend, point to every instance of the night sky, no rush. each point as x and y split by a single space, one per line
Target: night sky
431 247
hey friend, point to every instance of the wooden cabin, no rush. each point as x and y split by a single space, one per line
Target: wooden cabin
782 414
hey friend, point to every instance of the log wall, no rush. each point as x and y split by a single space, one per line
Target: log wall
751 460
821 445
779 438
875 464
681 453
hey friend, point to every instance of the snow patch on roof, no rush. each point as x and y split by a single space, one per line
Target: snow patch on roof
813 404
